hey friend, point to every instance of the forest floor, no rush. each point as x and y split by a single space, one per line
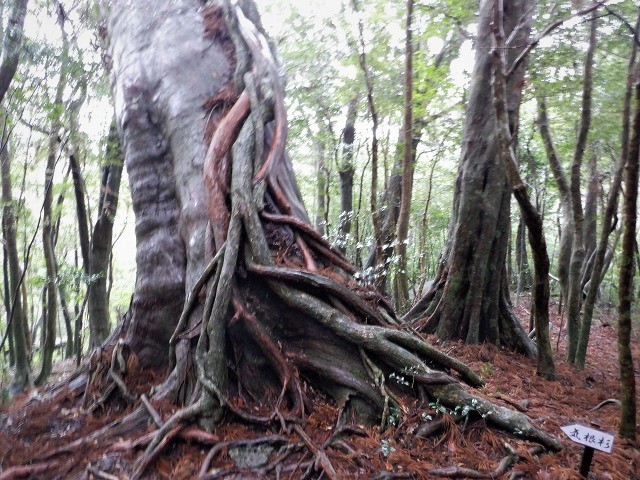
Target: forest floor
31 427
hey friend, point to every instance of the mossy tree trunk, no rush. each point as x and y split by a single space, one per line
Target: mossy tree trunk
469 298
625 289
234 288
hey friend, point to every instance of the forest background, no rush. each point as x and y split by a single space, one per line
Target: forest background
346 70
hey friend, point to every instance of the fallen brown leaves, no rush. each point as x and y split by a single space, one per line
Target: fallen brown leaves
30 427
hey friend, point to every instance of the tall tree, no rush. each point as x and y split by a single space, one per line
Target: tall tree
625 288
402 234
50 309
16 319
574 298
469 298
232 280
101 241
530 214
12 40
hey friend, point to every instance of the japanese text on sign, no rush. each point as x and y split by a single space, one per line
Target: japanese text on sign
589 437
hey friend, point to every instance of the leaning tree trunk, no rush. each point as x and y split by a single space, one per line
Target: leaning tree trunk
234 286
469 299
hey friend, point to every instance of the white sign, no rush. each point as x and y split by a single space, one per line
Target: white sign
589 437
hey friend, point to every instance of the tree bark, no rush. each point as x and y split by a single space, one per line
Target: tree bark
530 214
346 171
566 226
233 281
469 298
101 240
12 44
574 299
321 188
402 233
625 288
523 281
49 324
16 320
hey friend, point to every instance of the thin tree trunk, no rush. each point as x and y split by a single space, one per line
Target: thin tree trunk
380 269
566 223
591 210
402 233
346 170
600 263
321 187
16 321
522 261
78 312
574 299
7 298
530 215
101 240
50 320
625 288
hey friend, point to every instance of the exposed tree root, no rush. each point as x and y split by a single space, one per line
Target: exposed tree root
27 471
221 446
281 313
461 472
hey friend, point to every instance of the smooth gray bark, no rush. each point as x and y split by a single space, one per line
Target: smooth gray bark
159 89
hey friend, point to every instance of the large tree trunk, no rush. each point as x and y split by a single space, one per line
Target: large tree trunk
12 39
469 299
234 286
161 124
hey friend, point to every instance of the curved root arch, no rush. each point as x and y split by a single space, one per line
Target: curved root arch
282 308
286 290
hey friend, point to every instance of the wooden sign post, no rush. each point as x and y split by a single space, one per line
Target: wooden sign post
592 440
